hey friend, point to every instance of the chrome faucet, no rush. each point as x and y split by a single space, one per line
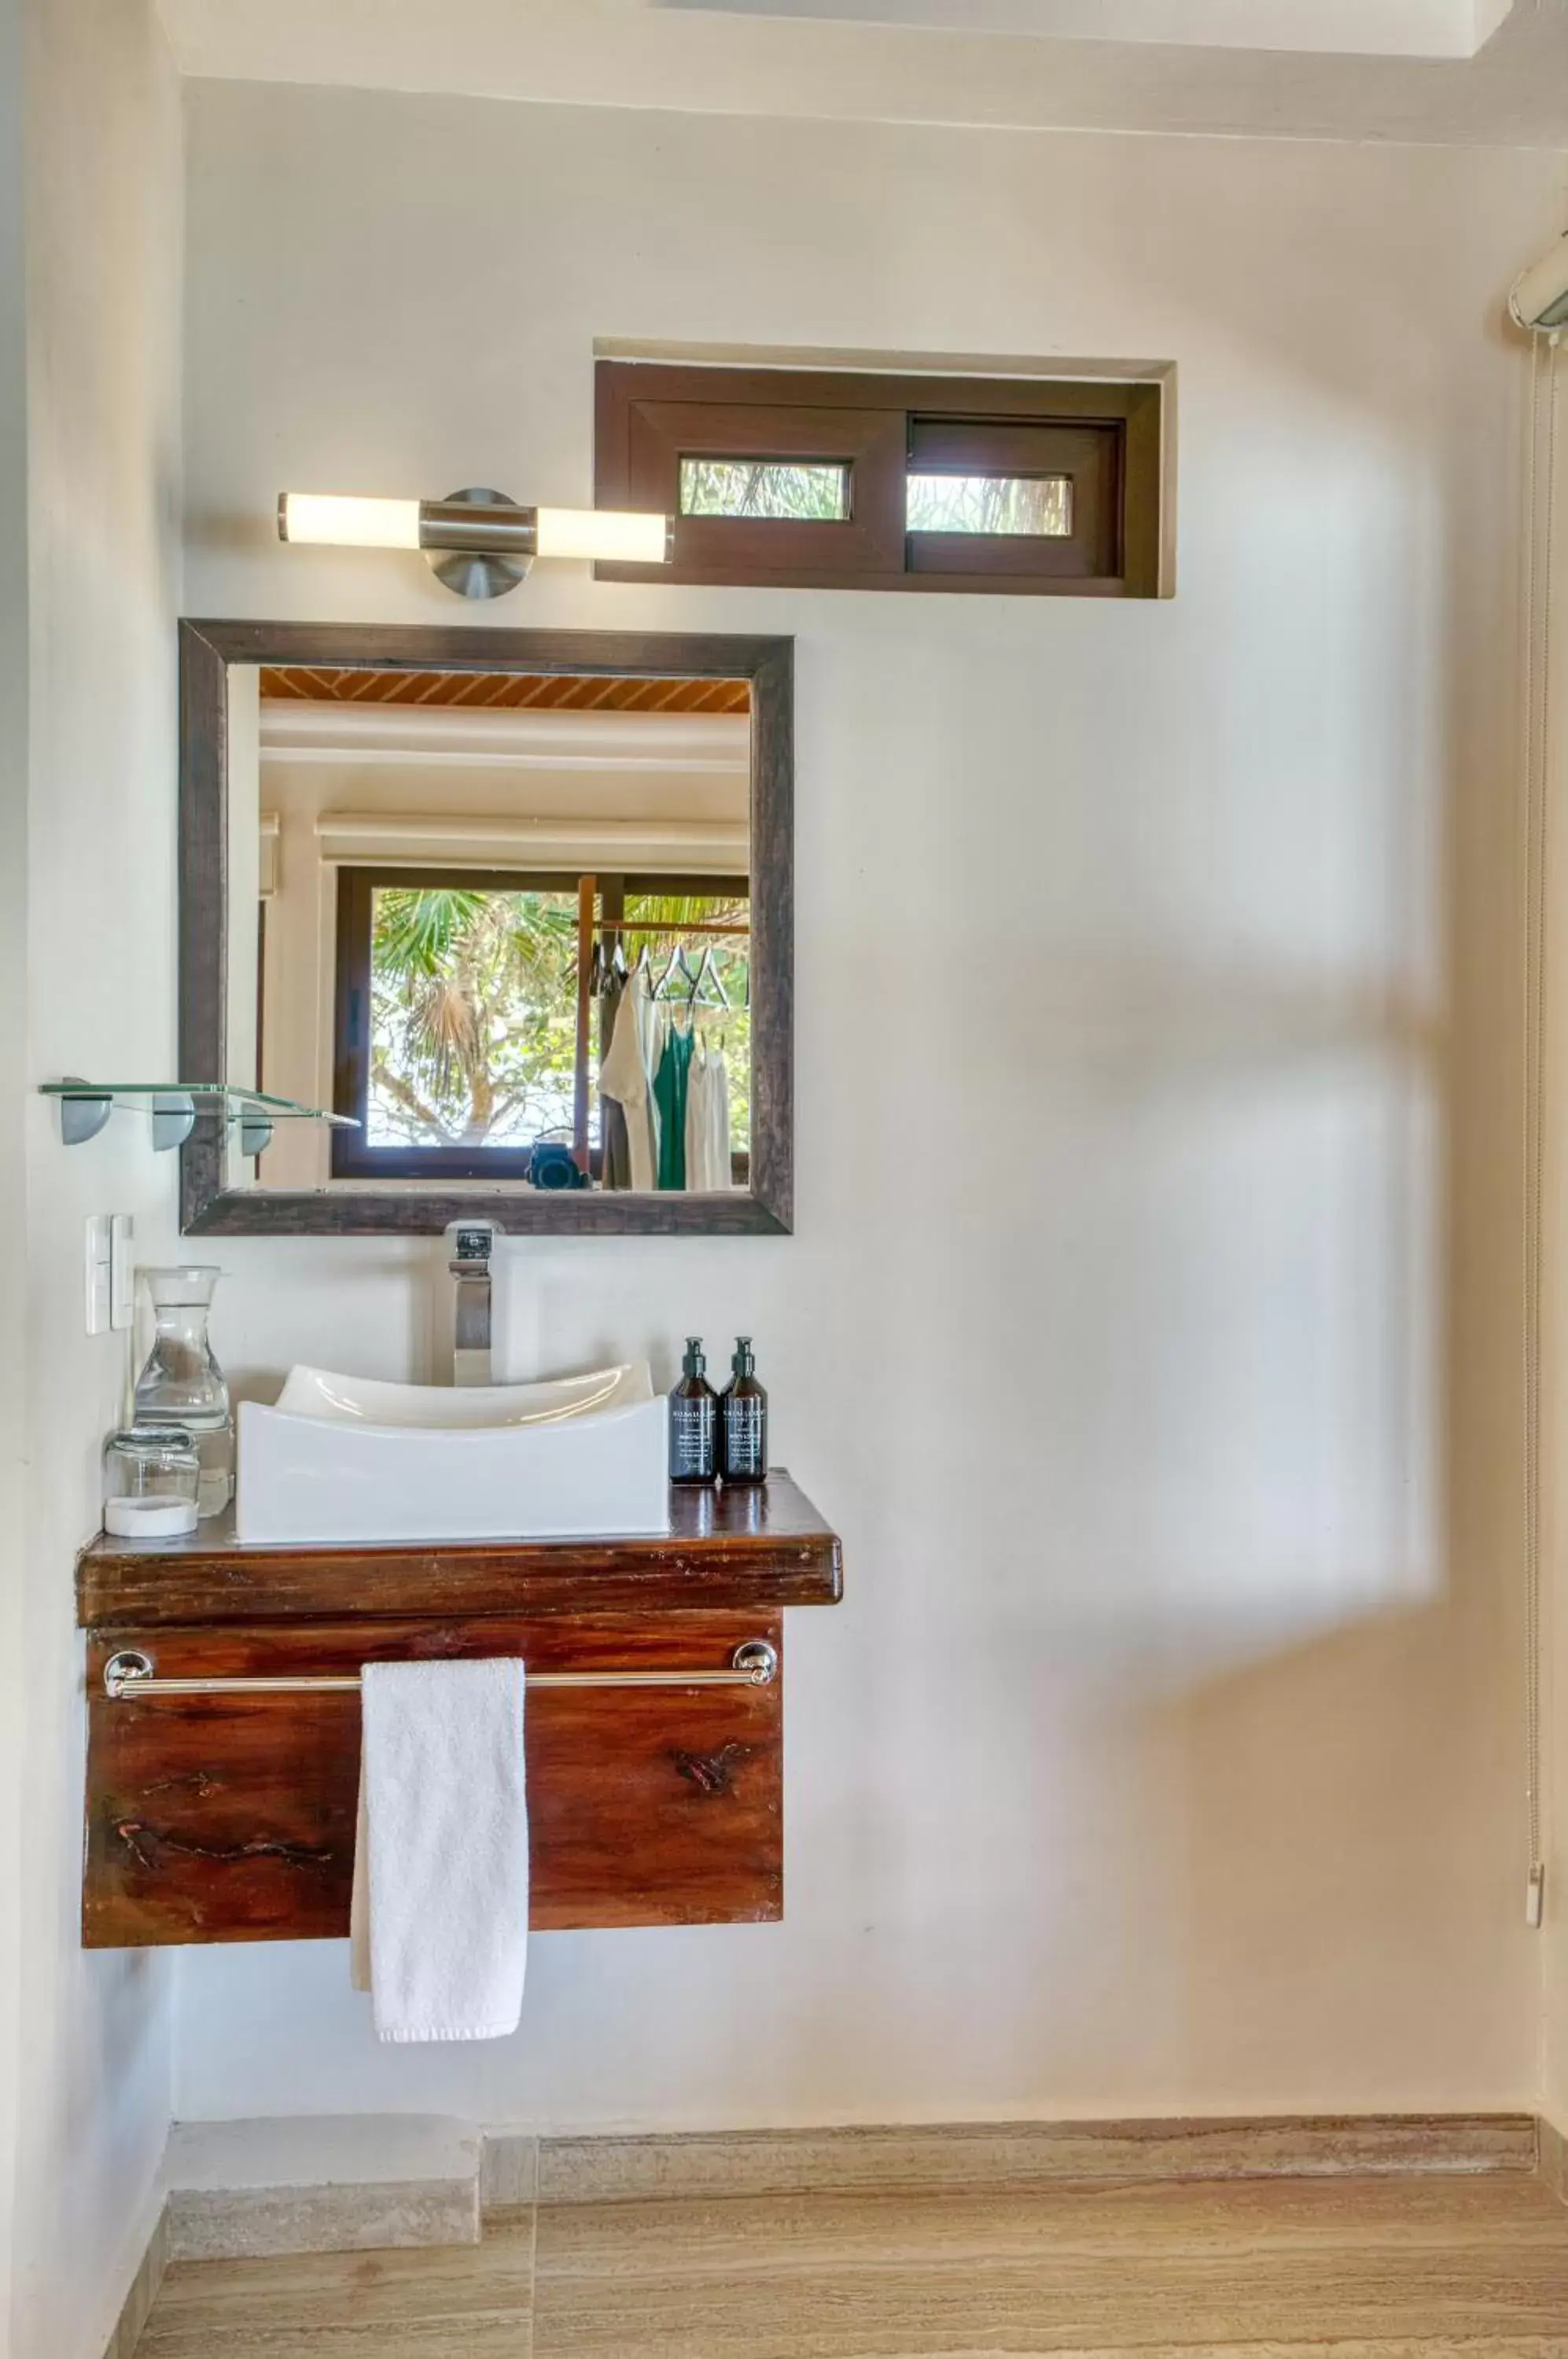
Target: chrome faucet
470 1245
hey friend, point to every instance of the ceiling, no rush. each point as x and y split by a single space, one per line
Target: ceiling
536 692
1467 71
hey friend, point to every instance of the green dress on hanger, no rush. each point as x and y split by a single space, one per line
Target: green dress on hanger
669 1097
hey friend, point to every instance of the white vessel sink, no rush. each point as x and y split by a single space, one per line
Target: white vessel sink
345 1459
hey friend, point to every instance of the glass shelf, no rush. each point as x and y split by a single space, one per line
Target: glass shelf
85 1108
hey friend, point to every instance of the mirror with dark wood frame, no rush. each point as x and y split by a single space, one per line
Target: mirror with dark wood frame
507 915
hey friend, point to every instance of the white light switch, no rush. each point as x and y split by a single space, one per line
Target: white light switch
99 1249
122 1271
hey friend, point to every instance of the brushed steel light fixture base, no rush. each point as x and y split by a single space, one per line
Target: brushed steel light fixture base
483 574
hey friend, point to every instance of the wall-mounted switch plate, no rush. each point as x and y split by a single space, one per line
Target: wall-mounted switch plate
122 1271
98 1249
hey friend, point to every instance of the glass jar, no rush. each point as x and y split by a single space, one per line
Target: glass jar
151 1478
182 1386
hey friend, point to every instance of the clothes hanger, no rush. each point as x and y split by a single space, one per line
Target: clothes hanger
679 971
708 972
661 989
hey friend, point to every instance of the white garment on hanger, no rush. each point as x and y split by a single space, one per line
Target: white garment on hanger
623 1075
697 1124
708 1124
719 1116
652 1023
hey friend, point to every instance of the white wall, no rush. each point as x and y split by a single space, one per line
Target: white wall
1150 1325
86 919
13 1084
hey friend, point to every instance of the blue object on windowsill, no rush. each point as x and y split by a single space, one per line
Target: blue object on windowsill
553 1164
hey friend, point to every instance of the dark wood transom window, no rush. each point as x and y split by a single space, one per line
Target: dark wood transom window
807 479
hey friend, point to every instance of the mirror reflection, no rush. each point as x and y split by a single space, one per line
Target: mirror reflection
500 921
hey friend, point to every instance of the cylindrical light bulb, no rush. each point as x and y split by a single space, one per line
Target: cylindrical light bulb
615 535
346 523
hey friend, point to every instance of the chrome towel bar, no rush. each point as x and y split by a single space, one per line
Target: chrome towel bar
132 1675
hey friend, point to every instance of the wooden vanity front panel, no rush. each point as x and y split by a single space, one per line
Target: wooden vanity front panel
227 1819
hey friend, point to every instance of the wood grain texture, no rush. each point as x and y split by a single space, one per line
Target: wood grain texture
1294 2264
208 1206
203 980
466 2302
1361 2269
506 692
233 1817
1005 2156
749 1550
418 1207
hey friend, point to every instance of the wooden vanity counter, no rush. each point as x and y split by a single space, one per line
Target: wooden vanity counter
231 1817
766 1548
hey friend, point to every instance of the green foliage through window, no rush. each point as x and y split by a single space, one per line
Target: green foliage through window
1033 506
804 491
474 1009
472 1016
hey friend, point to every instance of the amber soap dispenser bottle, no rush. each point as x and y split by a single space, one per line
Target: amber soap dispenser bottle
693 1420
743 1420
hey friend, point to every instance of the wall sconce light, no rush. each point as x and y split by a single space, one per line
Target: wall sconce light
480 543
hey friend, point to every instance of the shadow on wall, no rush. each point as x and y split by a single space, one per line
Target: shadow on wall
1339 1786
1205 1218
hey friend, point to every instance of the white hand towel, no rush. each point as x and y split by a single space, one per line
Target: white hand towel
441 1862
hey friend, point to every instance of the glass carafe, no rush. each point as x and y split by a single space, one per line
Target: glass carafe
182 1384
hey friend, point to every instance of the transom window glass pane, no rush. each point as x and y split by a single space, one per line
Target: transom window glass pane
800 491
1031 507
